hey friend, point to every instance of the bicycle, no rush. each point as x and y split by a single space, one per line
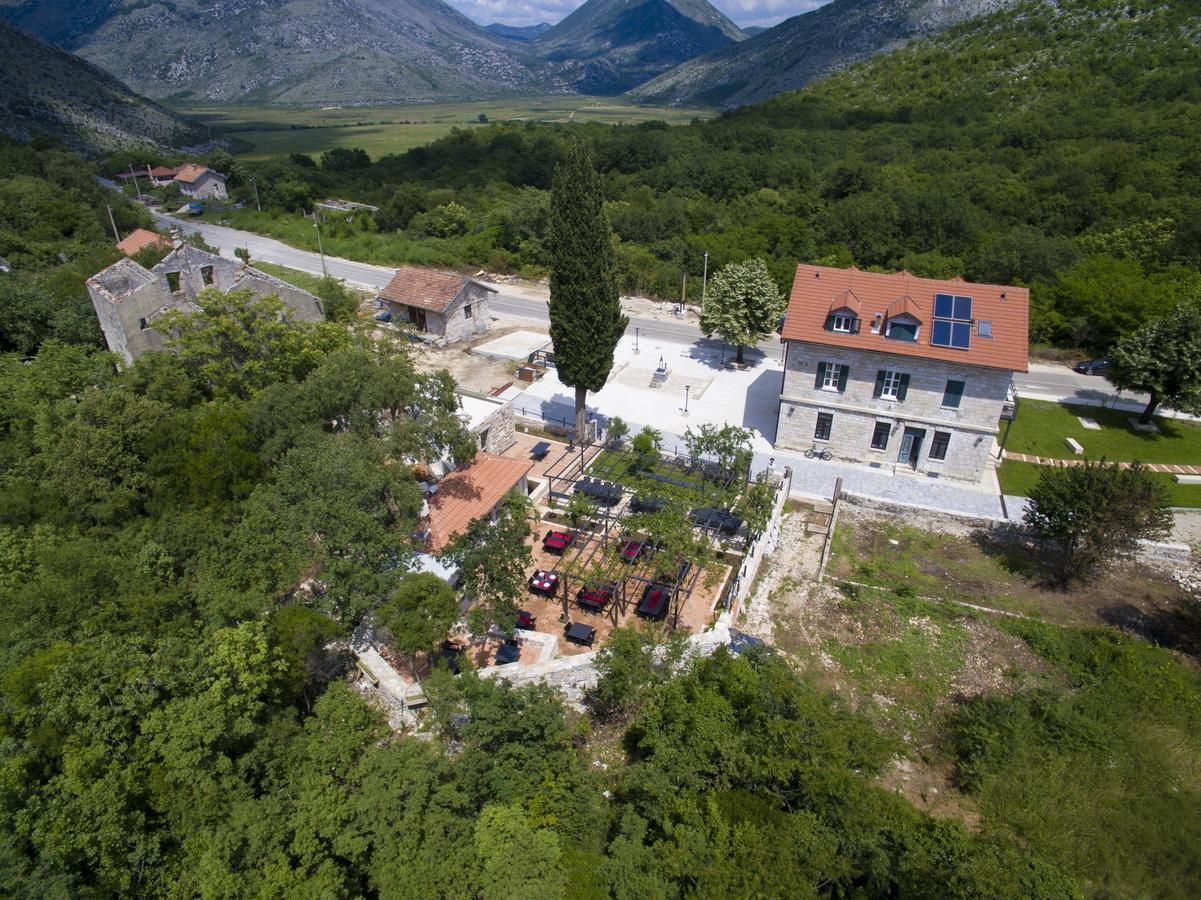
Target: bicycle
816 452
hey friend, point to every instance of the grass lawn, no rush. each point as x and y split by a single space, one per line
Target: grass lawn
1041 427
277 131
1083 739
302 280
1018 478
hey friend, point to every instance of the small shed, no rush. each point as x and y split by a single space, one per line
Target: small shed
443 304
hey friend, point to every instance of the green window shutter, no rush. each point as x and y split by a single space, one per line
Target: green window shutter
842 378
903 387
879 391
821 375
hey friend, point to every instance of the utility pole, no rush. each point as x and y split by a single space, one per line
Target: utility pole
683 291
137 187
111 221
320 250
704 282
257 205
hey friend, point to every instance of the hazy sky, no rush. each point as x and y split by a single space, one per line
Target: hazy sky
531 12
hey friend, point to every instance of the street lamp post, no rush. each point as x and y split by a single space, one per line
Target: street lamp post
636 329
687 390
320 250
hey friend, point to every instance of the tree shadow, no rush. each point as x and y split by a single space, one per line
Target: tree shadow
1019 555
1177 628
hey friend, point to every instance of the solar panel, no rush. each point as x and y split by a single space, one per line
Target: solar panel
952 326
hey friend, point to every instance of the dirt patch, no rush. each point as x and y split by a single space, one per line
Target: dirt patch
476 374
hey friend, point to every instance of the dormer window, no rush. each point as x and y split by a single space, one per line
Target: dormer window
902 328
877 323
844 321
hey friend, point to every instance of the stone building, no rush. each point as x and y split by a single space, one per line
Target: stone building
128 298
490 420
451 307
899 372
200 182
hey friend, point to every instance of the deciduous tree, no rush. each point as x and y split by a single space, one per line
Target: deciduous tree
1163 358
418 614
742 304
1094 513
492 558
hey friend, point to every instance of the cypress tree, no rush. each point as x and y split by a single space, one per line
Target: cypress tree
586 321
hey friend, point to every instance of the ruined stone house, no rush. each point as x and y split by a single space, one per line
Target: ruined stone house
128 298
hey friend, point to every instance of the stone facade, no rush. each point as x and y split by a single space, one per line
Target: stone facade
490 420
129 298
467 315
913 422
209 185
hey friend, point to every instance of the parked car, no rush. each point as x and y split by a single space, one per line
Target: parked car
1098 366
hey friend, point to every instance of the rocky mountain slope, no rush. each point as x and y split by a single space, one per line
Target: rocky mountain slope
805 47
608 46
343 52
47 91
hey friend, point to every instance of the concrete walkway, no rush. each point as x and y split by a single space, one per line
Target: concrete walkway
1169 468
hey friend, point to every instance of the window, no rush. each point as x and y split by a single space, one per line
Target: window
831 377
825 423
952 321
143 324
880 436
984 328
842 323
173 282
206 274
938 447
891 385
902 331
467 313
952 395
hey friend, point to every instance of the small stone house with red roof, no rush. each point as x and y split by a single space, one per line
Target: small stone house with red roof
899 372
447 306
201 182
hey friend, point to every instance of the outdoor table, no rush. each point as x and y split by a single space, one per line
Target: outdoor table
654 601
540 449
542 582
508 652
526 620
558 541
596 597
580 633
631 550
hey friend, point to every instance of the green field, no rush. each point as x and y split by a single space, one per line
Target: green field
274 131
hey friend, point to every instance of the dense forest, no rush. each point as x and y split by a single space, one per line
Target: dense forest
186 543
1057 145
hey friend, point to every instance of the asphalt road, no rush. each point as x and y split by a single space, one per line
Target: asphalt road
1042 382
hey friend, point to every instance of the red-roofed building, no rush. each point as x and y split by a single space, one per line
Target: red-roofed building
200 182
476 490
139 239
900 371
452 307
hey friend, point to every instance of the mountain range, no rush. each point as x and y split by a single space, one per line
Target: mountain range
805 47
607 46
375 52
75 102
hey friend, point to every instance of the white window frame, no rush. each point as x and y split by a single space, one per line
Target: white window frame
892 385
841 320
832 376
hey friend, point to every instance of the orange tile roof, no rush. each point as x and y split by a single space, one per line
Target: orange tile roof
192 172
818 290
139 239
163 172
470 492
424 288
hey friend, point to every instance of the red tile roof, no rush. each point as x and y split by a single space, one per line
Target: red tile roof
192 172
470 492
139 239
163 172
424 288
819 290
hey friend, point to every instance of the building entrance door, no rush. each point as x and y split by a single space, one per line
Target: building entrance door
417 318
911 447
